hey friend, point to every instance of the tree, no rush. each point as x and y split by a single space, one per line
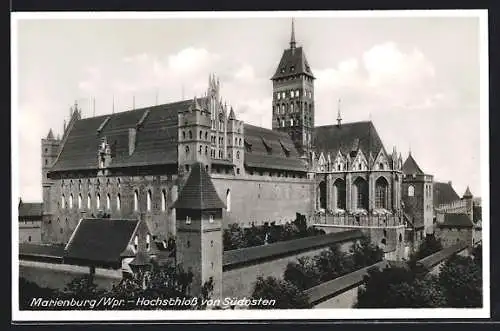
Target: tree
365 253
399 288
286 295
303 274
82 287
429 246
332 263
461 280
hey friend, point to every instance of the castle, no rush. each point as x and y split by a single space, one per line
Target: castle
132 165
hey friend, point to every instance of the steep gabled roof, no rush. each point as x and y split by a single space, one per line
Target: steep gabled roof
293 62
334 138
271 150
30 209
410 167
100 241
156 140
443 193
467 193
456 221
198 192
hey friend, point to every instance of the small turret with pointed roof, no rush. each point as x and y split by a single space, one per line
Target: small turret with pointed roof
293 43
50 135
410 167
231 114
467 194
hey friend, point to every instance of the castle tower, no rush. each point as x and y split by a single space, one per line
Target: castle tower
218 120
199 231
417 197
468 198
235 142
49 153
194 137
293 96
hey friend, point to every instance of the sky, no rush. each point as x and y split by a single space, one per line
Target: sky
416 78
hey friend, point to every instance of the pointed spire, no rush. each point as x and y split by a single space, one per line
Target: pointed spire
50 135
231 114
339 118
292 38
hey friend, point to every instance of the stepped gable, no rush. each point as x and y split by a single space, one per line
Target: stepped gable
156 140
410 167
443 193
198 192
332 138
271 149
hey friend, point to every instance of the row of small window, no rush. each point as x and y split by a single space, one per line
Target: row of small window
283 108
190 134
108 183
221 125
118 201
210 219
293 94
292 122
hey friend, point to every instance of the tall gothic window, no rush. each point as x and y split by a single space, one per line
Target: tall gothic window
70 201
148 201
136 200
108 202
163 200
98 201
118 202
381 193
228 200
340 192
63 202
80 201
411 191
89 201
361 193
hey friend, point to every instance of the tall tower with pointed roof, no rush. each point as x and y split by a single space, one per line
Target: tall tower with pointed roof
417 197
293 96
199 231
50 151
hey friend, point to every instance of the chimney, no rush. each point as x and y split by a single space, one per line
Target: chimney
449 182
132 133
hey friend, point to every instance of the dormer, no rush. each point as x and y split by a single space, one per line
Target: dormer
104 154
267 145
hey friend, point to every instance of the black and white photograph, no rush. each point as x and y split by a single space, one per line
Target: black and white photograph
250 165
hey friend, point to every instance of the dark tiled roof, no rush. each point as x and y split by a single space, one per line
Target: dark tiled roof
40 250
156 140
198 192
100 240
456 221
436 258
30 209
338 285
141 259
293 62
332 138
444 193
258 253
271 150
411 167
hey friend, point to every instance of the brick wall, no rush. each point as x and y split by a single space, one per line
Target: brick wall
239 282
263 198
57 276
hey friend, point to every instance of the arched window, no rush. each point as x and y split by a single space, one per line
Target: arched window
187 149
136 243
291 108
291 122
190 135
228 200
70 201
381 166
206 150
108 202
63 202
339 193
201 134
411 191
118 183
163 200
238 155
361 193
381 193
118 202
200 150
148 242
89 201
136 200
183 135
79 201
98 201
148 201
206 135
